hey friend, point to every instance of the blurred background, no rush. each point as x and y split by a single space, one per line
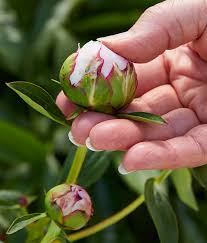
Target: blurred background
35 38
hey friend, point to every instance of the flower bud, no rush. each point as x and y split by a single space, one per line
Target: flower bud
69 206
98 79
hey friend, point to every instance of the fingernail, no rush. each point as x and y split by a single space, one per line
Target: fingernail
123 171
119 36
90 147
71 138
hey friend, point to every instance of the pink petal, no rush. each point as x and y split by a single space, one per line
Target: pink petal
85 55
110 58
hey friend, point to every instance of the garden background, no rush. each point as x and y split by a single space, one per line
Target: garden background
35 38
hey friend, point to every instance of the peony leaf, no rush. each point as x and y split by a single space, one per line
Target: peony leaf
200 174
161 212
142 117
23 221
39 99
182 179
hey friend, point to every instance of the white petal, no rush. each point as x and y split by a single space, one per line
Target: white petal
85 55
109 58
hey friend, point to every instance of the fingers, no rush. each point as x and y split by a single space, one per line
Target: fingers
121 134
159 100
185 151
64 104
83 124
148 80
164 26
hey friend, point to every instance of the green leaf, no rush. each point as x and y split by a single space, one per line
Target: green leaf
39 99
11 207
19 146
182 180
12 198
94 167
9 196
200 173
161 212
11 40
36 230
142 117
23 221
191 230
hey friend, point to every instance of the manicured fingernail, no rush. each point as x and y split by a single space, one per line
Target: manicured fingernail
119 36
90 147
123 171
71 138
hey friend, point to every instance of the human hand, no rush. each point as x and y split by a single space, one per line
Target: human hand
169 43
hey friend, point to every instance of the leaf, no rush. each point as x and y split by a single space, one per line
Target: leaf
7 207
14 199
191 229
182 180
142 117
36 230
94 167
51 172
200 173
11 40
23 221
39 99
161 212
19 146
9 196
102 22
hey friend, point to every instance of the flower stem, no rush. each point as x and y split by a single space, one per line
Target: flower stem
52 233
76 164
163 175
116 217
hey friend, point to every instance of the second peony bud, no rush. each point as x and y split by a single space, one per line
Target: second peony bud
98 79
69 206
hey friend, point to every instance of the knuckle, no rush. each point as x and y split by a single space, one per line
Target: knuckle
202 150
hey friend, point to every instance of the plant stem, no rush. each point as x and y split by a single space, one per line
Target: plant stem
163 175
52 233
76 164
116 217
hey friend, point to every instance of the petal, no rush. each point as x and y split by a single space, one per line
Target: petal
110 58
85 55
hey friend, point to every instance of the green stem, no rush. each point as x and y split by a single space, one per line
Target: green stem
116 217
76 164
163 175
52 233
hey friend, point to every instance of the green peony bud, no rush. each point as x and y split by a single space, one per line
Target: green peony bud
98 79
69 206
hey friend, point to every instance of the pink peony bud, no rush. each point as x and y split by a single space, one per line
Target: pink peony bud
98 79
69 205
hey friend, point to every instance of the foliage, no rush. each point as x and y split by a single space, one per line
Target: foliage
35 38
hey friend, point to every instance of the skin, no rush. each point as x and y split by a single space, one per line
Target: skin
168 45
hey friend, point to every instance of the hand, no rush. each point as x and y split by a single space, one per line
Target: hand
169 41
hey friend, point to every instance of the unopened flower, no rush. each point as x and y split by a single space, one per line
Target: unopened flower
98 79
69 206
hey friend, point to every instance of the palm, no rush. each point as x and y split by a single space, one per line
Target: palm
174 85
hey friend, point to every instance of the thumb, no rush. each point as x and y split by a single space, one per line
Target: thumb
166 25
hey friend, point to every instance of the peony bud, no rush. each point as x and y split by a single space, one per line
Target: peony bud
98 79
69 206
